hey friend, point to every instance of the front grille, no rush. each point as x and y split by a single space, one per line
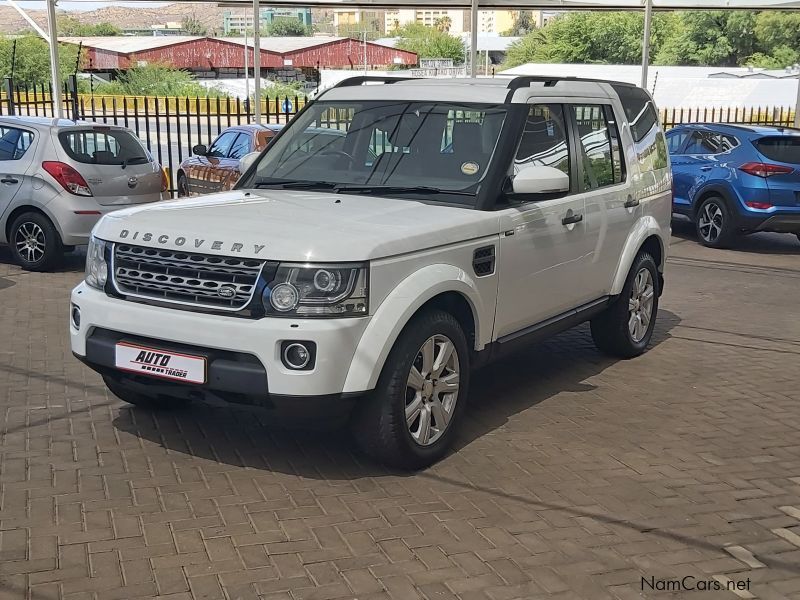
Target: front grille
216 282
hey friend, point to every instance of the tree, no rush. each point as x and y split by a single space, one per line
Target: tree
193 26
287 28
429 42
71 27
523 24
443 24
32 61
710 38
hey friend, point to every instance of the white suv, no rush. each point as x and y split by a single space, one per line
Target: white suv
394 236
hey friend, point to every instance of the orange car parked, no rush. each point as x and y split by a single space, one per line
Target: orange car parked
216 168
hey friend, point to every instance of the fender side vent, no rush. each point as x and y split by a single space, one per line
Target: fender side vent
483 261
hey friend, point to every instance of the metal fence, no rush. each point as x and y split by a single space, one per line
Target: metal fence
168 126
171 126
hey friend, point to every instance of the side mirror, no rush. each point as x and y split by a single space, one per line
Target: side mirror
200 150
247 161
539 179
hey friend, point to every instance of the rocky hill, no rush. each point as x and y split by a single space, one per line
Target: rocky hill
122 16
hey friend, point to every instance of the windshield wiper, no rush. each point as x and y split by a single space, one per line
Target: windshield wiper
397 189
296 185
136 160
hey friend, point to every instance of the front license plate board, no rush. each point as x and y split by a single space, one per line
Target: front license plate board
163 364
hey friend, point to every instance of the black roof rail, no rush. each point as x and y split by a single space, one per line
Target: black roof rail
522 81
362 79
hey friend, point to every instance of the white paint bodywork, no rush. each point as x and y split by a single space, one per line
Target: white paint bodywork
416 251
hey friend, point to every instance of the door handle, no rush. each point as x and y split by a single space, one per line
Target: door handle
707 168
9 180
631 202
573 218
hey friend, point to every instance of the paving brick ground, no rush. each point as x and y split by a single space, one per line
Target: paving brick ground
575 475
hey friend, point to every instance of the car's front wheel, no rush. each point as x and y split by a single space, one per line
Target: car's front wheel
625 328
410 419
183 186
714 223
35 243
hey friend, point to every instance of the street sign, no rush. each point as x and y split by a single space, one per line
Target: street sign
287 106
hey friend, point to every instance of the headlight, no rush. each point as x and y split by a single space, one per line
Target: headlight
308 290
96 268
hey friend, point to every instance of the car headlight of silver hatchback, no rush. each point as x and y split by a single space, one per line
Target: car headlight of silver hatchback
317 290
96 267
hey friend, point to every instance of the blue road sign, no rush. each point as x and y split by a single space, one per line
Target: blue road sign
287 106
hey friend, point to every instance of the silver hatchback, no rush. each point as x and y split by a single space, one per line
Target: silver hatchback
58 177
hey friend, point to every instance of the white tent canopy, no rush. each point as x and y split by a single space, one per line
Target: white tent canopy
474 6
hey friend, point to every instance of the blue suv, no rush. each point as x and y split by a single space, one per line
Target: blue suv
734 179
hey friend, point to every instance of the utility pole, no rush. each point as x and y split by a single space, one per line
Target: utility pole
365 51
648 19
257 59
246 73
55 93
473 44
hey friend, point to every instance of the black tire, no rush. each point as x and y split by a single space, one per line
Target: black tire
722 233
183 186
48 251
611 329
798 236
379 425
145 401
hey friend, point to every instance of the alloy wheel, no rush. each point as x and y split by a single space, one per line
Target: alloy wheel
432 390
640 305
30 242
710 221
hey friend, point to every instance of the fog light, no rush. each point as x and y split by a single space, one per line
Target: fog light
296 356
75 315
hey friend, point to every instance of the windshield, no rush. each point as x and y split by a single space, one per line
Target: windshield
385 147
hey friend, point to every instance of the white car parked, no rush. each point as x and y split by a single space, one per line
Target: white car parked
58 177
451 222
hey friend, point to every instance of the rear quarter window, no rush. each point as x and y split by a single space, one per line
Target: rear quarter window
648 136
103 147
781 149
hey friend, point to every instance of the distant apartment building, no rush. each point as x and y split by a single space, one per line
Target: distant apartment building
354 21
236 22
454 21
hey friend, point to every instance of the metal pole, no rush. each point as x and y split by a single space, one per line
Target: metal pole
257 60
797 104
246 73
365 52
473 43
648 18
52 31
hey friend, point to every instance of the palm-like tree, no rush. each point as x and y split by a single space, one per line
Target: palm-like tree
443 24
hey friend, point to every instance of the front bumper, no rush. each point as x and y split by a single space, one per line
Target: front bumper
243 354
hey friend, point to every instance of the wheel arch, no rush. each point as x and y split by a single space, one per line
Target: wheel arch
647 234
445 287
708 191
24 208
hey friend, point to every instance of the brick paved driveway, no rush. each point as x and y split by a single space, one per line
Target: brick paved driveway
575 475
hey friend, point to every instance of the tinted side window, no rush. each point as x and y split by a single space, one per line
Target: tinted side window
222 145
241 146
704 142
602 163
14 143
544 140
651 151
675 140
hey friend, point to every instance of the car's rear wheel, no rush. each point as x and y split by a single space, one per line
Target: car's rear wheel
34 242
183 186
625 328
147 401
410 419
714 223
